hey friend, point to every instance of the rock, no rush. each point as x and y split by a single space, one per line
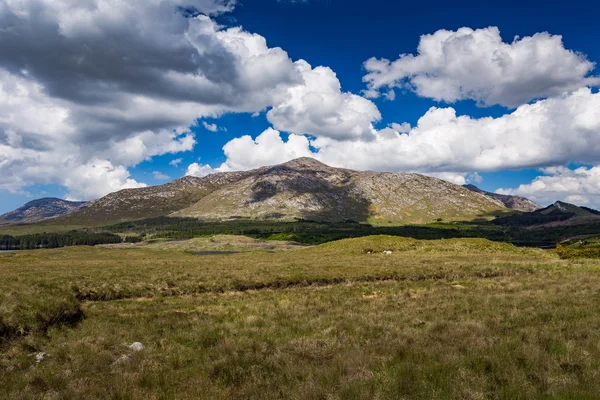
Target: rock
137 346
39 357
123 359
388 252
458 287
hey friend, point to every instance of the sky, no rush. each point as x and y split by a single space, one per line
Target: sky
102 95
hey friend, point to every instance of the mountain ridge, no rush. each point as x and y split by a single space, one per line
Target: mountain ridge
517 203
41 210
559 213
303 188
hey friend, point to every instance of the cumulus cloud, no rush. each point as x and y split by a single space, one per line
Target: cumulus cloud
91 180
199 170
555 131
267 149
319 107
478 65
123 82
449 146
579 186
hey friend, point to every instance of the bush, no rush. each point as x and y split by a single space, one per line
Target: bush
582 252
133 239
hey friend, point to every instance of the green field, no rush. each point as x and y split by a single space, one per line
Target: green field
454 318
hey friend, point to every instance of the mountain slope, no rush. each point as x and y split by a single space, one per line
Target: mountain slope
148 202
40 210
557 214
513 202
306 188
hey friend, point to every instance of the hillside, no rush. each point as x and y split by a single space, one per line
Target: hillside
516 203
41 210
305 188
557 214
148 202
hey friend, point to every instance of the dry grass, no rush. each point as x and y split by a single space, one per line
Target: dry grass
216 243
456 319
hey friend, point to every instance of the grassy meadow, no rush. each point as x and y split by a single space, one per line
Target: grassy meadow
443 319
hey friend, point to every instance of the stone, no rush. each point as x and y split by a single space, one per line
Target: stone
39 357
137 346
123 359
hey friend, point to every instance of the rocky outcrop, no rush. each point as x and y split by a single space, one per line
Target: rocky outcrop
516 203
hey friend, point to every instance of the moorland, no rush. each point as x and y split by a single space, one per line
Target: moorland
262 285
247 318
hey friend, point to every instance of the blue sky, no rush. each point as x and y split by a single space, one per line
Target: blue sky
339 34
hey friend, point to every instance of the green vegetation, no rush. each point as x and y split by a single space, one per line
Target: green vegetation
304 231
444 319
55 240
580 248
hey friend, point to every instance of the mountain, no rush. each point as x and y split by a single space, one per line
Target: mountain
557 214
306 188
41 210
513 202
152 201
302 188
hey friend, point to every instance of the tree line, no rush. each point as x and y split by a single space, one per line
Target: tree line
55 240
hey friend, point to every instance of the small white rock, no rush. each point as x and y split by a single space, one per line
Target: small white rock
387 252
137 346
39 357
123 359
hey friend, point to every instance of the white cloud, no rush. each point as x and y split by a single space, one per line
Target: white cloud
116 84
580 186
123 82
532 136
160 176
478 65
319 107
199 170
91 180
210 127
450 146
267 149
176 162
401 128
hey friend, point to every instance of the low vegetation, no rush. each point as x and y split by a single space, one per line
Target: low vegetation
55 240
304 231
585 248
373 317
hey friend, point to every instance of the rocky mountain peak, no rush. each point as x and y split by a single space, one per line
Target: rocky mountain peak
305 163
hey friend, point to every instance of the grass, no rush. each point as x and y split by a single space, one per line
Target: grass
447 319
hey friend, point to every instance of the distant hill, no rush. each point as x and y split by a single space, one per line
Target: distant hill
300 189
557 214
308 189
513 202
41 210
